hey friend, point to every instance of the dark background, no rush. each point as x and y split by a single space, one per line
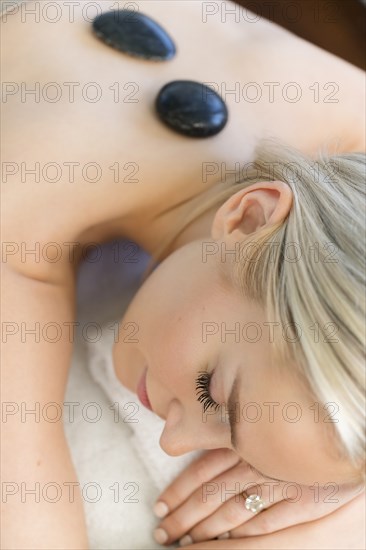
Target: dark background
337 26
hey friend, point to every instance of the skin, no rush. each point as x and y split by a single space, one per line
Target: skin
107 209
172 347
77 211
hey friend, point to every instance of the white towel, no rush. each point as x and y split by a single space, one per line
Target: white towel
120 466
146 426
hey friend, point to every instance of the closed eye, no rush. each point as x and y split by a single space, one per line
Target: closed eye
203 392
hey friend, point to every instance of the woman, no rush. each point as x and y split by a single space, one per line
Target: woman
55 204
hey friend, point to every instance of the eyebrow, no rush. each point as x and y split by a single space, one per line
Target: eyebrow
232 404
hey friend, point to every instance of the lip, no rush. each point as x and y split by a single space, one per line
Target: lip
142 391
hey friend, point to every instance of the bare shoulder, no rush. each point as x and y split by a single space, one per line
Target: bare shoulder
82 145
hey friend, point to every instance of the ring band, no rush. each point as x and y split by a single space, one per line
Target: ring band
254 503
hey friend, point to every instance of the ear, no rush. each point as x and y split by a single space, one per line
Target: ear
251 209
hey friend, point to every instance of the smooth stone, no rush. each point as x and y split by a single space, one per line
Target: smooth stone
134 33
191 108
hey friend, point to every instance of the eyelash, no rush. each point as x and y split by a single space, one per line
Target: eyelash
203 395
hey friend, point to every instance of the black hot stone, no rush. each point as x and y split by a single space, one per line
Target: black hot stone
191 108
134 33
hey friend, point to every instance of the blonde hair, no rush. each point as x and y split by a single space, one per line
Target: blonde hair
323 291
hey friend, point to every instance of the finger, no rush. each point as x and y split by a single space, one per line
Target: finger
201 504
206 467
277 517
229 516
330 532
295 505
233 513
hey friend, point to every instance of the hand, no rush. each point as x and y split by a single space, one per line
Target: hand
206 501
343 528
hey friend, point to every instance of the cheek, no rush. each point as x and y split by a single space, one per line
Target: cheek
280 435
176 352
169 310
176 348
164 323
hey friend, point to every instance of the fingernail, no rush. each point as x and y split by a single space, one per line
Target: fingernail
160 509
184 541
224 536
160 535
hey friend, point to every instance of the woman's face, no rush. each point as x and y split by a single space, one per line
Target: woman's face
190 319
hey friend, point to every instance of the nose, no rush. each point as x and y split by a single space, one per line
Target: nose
184 432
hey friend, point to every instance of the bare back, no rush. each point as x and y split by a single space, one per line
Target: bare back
78 169
85 148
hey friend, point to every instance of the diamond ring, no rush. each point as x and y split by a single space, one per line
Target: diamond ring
254 503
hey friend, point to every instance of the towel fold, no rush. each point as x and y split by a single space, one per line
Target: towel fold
115 456
145 425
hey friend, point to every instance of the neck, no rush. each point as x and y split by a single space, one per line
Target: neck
150 233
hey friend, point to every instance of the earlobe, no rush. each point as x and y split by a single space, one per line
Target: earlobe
250 209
